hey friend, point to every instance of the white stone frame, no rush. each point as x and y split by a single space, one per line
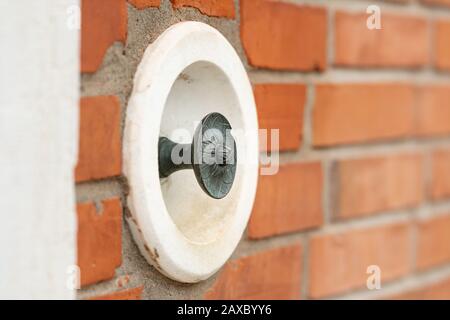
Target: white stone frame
175 249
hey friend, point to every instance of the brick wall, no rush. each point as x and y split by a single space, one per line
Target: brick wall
364 118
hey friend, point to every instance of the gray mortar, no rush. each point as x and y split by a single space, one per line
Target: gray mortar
115 77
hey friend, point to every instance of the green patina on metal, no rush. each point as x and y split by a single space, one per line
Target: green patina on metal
212 155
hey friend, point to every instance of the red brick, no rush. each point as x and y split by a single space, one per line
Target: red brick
289 201
100 153
442 44
286 36
143 4
272 274
366 186
129 294
402 41
436 291
433 245
339 262
433 110
215 8
440 184
99 240
102 23
358 113
281 106
445 3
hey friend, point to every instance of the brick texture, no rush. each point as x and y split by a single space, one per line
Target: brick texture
338 262
129 294
289 201
433 110
442 44
99 240
100 153
369 185
359 113
143 4
435 291
402 41
440 184
279 35
433 242
272 274
102 23
215 8
445 3
364 120
281 106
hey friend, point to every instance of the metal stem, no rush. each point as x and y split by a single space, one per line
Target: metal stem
170 151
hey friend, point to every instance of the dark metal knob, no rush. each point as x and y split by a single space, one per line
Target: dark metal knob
212 156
